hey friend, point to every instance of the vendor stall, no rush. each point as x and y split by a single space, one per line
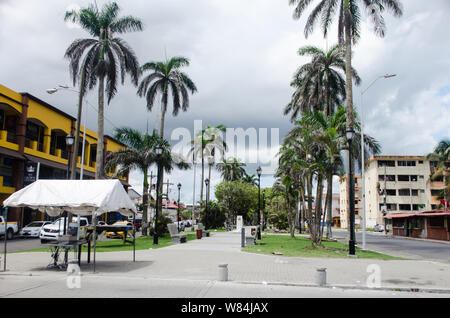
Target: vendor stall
79 197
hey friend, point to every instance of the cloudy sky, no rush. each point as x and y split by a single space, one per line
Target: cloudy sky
243 56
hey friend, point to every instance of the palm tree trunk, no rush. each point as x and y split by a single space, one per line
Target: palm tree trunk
101 102
145 204
329 204
318 213
209 187
161 135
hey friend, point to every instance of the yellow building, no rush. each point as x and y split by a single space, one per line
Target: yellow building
32 145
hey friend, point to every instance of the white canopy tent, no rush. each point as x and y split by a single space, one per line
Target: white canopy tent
80 197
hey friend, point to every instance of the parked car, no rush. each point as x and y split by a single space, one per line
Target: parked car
120 234
52 232
33 229
11 228
378 228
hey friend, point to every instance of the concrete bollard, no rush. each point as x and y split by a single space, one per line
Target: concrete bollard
321 276
223 272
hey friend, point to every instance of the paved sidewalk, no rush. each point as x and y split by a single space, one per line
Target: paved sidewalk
199 260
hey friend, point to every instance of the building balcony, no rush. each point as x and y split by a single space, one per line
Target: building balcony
6 189
7 140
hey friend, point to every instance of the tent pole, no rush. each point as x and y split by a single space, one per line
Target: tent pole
95 237
6 234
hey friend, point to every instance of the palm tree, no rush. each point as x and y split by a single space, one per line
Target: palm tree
441 155
348 28
140 154
165 77
251 179
104 58
206 143
319 84
231 170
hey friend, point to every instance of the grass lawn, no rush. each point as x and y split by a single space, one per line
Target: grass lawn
142 243
301 247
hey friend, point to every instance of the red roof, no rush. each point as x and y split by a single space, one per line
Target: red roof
426 213
172 204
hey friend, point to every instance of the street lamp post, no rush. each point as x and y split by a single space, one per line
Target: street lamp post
158 151
178 207
362 159
69 143
206 206
350 133
264 209
77 131
259 172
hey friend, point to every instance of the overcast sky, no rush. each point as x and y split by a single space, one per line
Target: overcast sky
243 56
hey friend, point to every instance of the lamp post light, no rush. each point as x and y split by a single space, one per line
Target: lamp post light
259 172
362 159
206 206
69 143
158 152
349 134
178 207
77 131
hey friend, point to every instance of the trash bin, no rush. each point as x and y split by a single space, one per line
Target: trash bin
199 234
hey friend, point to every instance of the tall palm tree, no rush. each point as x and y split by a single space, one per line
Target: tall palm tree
319 83
102 59
166 77
251 179
208 142
231 170
140 154
349 18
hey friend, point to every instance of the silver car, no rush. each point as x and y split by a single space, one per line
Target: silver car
33 229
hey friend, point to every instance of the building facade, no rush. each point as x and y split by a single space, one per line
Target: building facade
343 199
33 146
393 185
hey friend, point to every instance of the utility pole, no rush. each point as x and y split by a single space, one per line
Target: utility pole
167 192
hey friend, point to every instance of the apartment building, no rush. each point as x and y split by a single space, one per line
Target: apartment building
33 146
393 184
399 184
343 199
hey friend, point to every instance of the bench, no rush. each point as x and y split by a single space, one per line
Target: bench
174 235
205 233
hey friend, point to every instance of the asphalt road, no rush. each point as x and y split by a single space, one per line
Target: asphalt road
20 244
400 247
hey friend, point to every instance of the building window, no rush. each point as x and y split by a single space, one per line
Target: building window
404 192
404 207
413 178
403 178
406 163
387 163
388 177
6 171
415 193
420 162
436 221
435 193
390 192
389 207
421 177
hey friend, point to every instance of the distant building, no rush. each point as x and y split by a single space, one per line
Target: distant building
393 184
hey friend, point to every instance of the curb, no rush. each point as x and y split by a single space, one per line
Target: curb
397 289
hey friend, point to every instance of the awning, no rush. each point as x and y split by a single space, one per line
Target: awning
399 215
11 153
